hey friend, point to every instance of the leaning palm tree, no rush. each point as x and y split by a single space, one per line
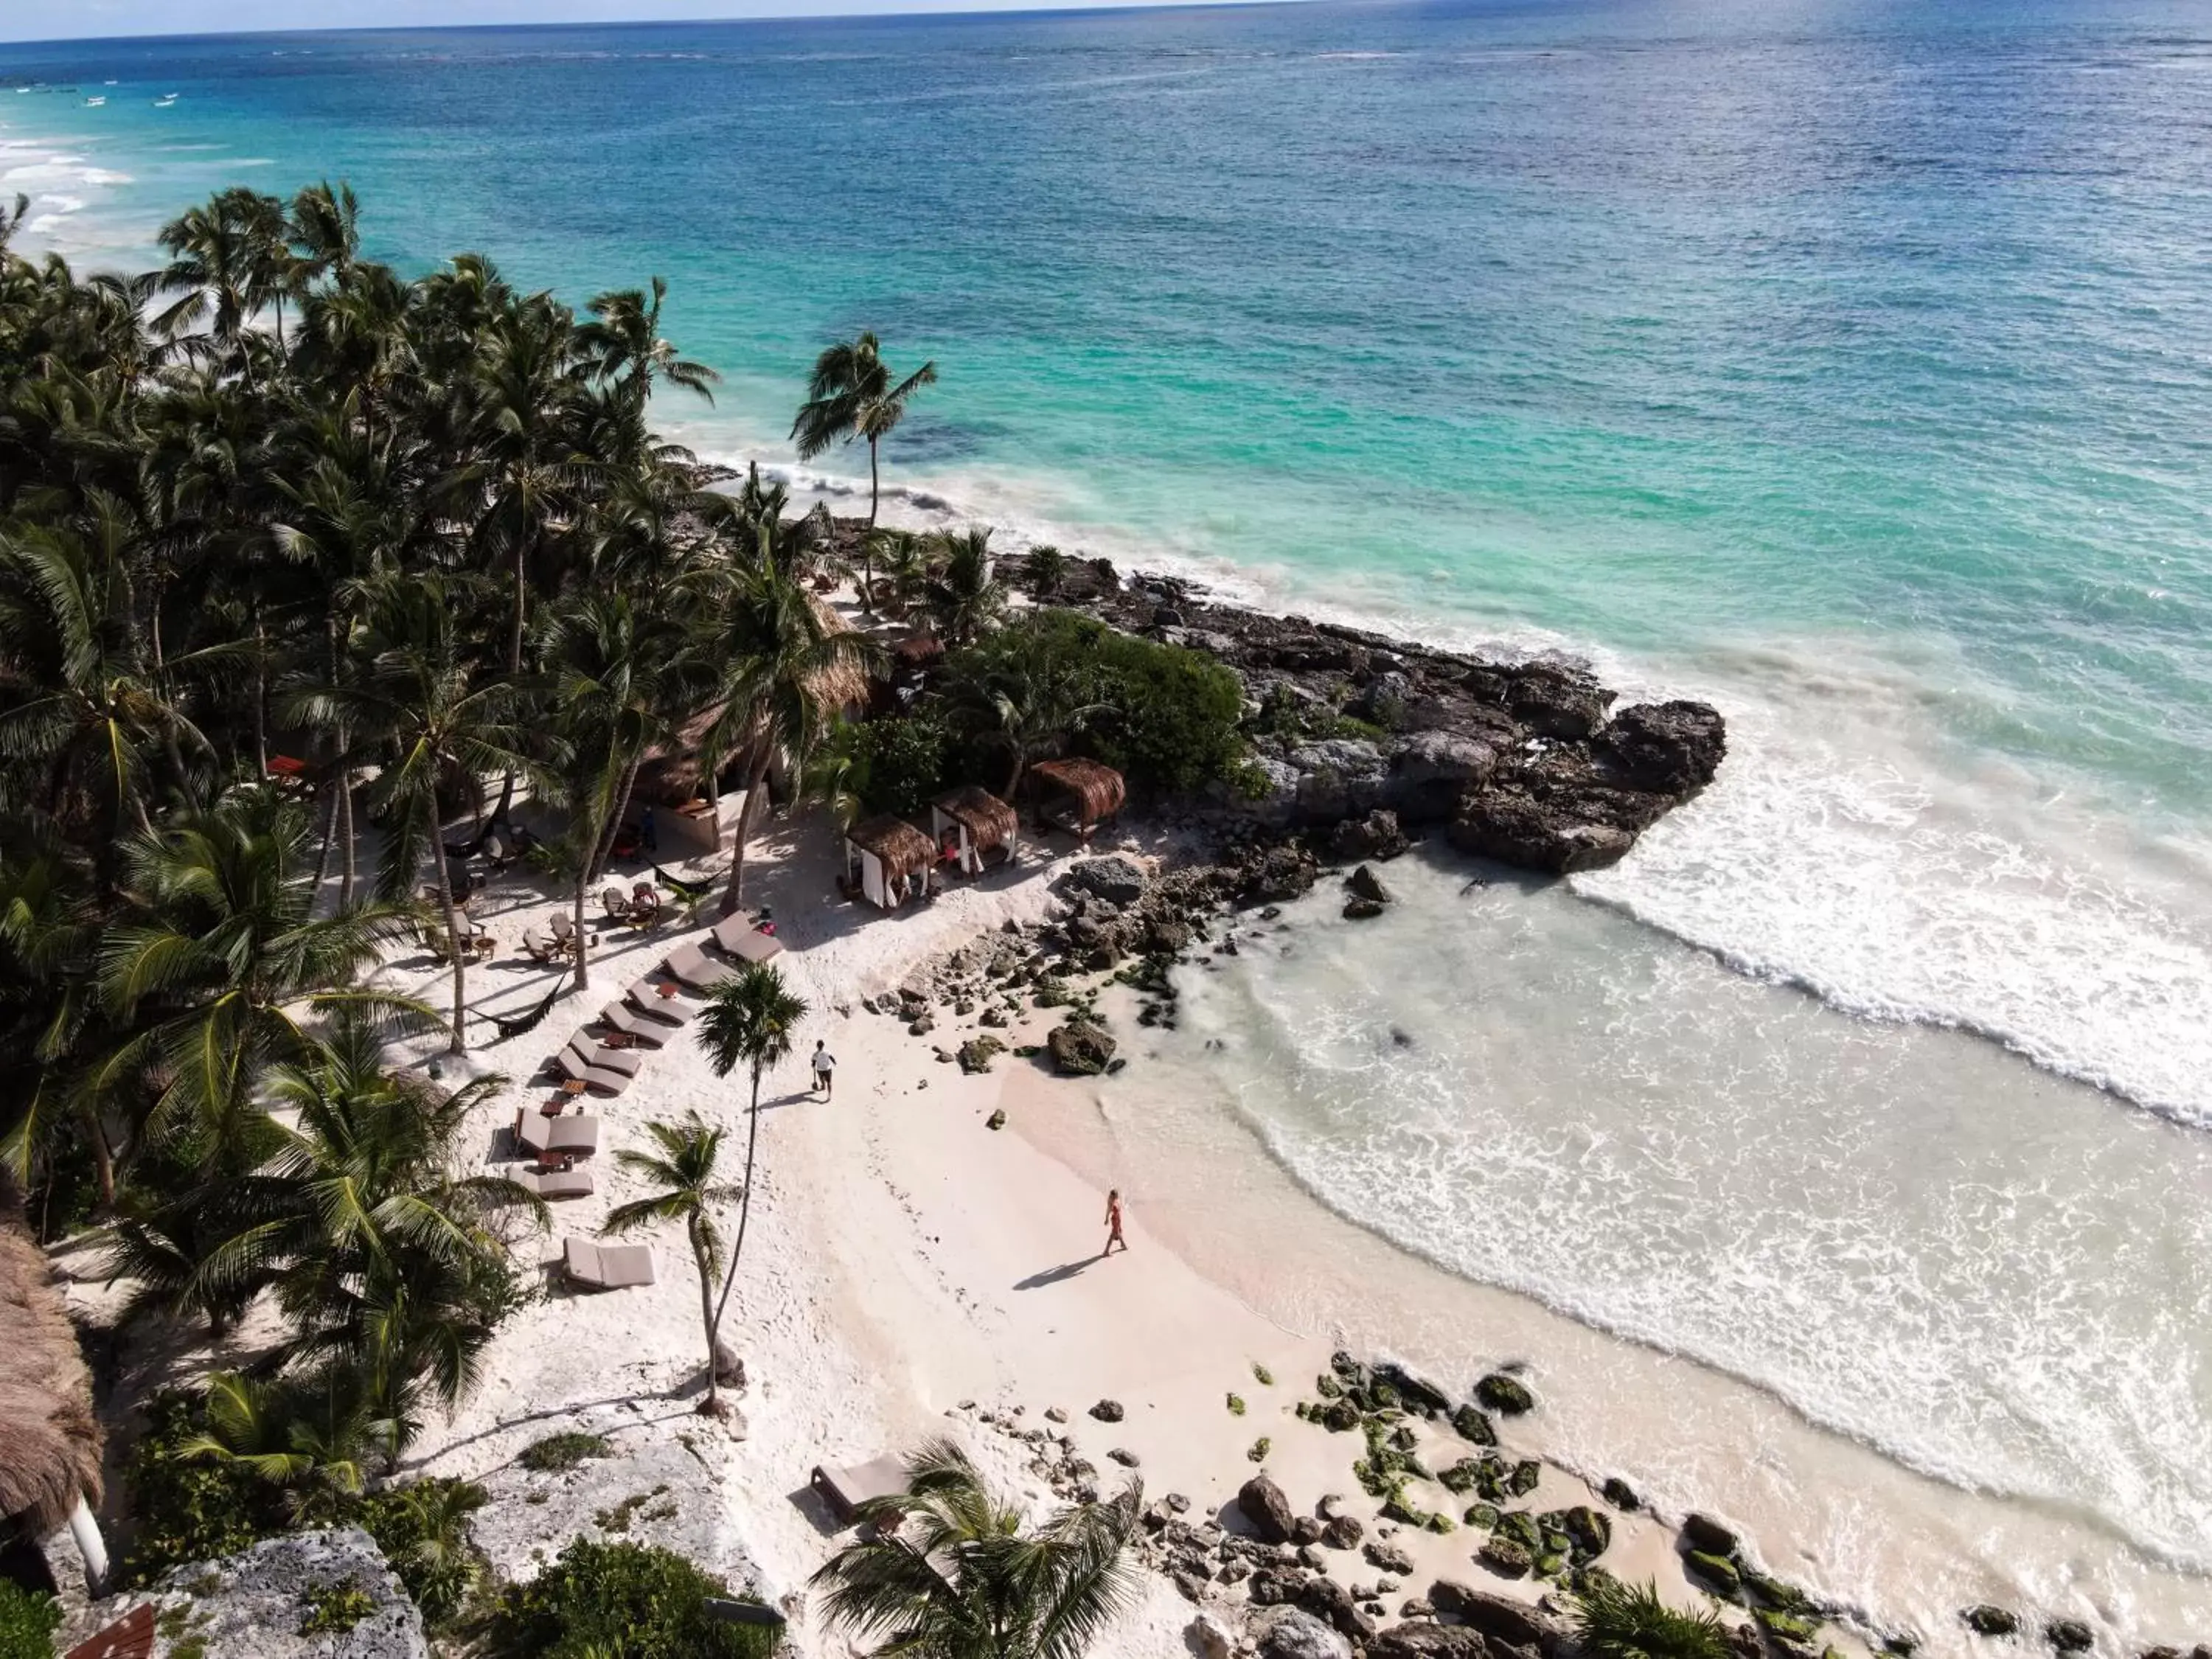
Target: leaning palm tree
851 395
623 346
748 1021
685 1177
962 593
961 1579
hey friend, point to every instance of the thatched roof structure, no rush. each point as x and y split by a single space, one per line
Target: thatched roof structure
988 820
1097 789
901 849
843 684
919 650
49 1439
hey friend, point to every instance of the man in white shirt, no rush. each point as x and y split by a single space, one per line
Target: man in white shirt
825 1069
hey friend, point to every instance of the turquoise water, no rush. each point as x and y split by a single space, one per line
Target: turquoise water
1848 363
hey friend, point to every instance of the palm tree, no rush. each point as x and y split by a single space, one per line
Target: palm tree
306 1436
217 959
425 708
960 1579
1022 692
623 346
1615 1621
963 596
326 228
684 1176
782 656
748 1021
851 395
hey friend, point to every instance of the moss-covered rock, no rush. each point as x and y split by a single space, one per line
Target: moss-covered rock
1524 1478
1506 1395
1622 1495
2069 1635
1474 1424
1480 1515
1461 1477
1505 1558
1587 1532
1716 1572
1788 1628
977 1053
1987 1621
1521 1527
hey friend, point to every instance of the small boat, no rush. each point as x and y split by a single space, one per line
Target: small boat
168 102
95 103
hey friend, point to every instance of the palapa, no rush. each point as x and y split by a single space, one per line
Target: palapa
896 845
1098 789
49 1439
988 820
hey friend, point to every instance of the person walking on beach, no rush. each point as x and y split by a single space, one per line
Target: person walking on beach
1112 1225
825 1071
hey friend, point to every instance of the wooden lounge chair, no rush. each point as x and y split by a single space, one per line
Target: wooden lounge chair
604 1078
644 905
606 1266
616 903
557 1183
540 1134
542 947
643 1029
847 1488
589 1051
692 965
744 941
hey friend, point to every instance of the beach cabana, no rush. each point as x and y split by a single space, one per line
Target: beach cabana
975 826
50 1441
1075 795
887 860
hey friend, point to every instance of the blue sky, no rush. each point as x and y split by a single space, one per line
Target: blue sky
45 20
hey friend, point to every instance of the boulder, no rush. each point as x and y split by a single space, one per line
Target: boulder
1514 1623
1209 1638
1339 779
1079 1049
1277 876
1289 1632
1552 700
1670 748
1274 1586
1418 1641
1473 1424
2069 1635
1377 835
250 1606
1324 1597
1622 1495
1390 1557
1269 1512
1115 877
1431 770
1716 1572
1382 701
1711 1537
1365 884
1506 1395
1307 1530
1343 1531
977 1053
1987 1621
1108 1411
1513 826
1505 1558
1587 1531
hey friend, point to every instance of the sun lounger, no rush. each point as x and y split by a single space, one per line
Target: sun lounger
645 996
846 1489
616 903
607 1266
595 1077
646 1032
540 1134
588 1051
557 1183
692 965
744 941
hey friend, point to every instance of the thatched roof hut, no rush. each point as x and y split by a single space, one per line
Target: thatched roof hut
1076 794
974 824
50 1441
886 854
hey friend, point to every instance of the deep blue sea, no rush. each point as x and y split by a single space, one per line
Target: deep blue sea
1848 362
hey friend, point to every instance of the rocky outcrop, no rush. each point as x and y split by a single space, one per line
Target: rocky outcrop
1378 835
1515 1623
253 1605
1079 1049
1507 1395
1668 748
1289 1632
1412 1641
1115 876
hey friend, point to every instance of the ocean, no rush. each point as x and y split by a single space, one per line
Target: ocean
1847 364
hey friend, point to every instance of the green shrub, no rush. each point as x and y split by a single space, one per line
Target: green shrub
562 1451
619 1601
190 1509
28 1623
1631 1621
897 764
424 1531
334 1609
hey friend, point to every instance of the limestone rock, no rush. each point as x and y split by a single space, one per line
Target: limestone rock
1505 1558
1672 748
1364 883
251 1605
1115 877
1514 1623
1108 1411
2069 1635
1514 827
1079 1049
1987 1621
1342 1531
1432 770
1289 1632
977 1053
1266 1509
1473 1424
1209 1638
1710 1537
1416 1641
1390 1557
1377 835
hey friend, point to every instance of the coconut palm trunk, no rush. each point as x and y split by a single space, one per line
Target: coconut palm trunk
445 886
754 784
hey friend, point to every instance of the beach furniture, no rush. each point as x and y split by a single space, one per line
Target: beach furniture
1075 795
542 947
557 1183
606 1266
744 941
844 1489
605 1078
540 1135
564 930
644 905
662 1000
974 827
616 903
885 860
640 1029
511 1026
689 963
589 1052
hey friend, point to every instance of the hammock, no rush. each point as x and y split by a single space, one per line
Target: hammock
690 891
521 1023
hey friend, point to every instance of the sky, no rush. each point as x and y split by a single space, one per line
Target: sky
50 20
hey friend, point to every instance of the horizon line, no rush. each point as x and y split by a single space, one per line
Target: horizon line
929 9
